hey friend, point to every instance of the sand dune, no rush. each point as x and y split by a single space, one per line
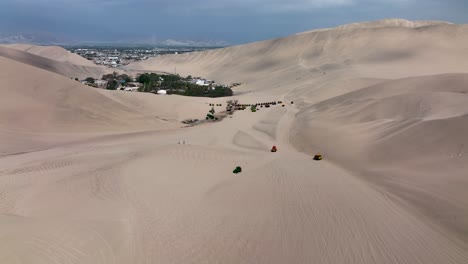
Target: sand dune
53 53
414 128
386 23
385 102
171 108
52 65
148 199
39 108
385 52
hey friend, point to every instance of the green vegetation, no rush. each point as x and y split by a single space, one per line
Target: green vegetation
217 91
90 80
174 84
112 85
114 76
210 116
114 79
125 78
153 82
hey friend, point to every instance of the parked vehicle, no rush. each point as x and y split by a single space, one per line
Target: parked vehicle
238 169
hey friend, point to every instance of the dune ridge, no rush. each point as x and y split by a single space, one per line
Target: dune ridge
53 53
43 107
65 68
391 22
356 50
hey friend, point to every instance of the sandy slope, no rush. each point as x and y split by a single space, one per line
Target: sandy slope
383 52
407 135
390 190
147 199
402 123
63 68
53 53
171 108
39 108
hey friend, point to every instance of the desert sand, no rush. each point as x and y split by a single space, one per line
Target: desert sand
69 67
53 53
96 176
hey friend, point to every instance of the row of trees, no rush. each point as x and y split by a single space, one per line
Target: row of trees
174 84
153 81
201 91
114 79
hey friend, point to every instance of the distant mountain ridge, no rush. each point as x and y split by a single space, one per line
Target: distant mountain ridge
159 43
36 38
46 38
207 43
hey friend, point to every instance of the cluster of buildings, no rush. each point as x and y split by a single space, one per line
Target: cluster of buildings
209 83
116 57
130 87
202 82
112 57
97 83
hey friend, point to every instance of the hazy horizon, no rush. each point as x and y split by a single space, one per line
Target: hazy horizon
226 22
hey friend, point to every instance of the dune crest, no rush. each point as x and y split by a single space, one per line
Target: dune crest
40 109
385 23
53 53
64 68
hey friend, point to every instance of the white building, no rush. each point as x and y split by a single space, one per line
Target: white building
100 82
130 89
202 82
134 84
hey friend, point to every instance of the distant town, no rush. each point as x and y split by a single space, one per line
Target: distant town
161 84
115 57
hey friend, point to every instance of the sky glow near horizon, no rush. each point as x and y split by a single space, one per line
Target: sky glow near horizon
236 22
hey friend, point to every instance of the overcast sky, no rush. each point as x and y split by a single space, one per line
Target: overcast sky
235 21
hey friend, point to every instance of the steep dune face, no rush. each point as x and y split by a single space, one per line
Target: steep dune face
53 53
407 135
374 52
62 68
386 23
36 105
375 97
